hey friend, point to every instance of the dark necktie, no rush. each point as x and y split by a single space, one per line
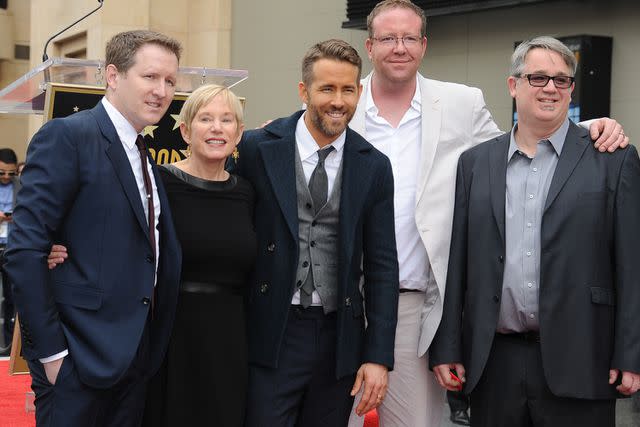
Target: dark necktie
318 183
319 188
151 218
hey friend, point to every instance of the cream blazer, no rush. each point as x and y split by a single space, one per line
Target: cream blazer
454 119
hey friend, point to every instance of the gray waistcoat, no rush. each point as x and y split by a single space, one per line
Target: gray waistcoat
318 243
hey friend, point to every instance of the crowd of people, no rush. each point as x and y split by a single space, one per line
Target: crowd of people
307 272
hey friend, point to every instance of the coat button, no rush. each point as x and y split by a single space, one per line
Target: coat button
314 223
305 264
298 284
271 247
264 288
347 302
313 243
308 205
149 259
496 298
146 301
501 259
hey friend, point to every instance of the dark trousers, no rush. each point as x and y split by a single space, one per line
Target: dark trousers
458 401
303 390
70 403
513 392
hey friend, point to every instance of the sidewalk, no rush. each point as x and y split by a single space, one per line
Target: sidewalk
627 414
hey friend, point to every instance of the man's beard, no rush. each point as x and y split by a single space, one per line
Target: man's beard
323 124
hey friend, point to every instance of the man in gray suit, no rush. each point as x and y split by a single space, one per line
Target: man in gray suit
541 311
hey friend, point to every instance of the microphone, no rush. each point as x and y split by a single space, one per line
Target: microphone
44 54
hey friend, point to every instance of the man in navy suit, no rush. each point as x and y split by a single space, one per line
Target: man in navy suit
95 328
327 257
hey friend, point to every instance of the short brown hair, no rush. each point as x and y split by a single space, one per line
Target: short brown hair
122 48
393 4
335 49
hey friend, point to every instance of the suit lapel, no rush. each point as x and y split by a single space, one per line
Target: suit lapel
574 145
430 128
121 166
279 164
498 178
355 173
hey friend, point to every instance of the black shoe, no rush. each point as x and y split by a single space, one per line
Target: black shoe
460 417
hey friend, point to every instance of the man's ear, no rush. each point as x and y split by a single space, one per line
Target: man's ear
111 76
511 84
303 93
367 45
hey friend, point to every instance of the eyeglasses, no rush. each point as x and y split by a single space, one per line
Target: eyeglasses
10 173
408 41
541 80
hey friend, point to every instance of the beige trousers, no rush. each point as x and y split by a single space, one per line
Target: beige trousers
414 398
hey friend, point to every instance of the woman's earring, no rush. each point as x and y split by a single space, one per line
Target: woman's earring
235 155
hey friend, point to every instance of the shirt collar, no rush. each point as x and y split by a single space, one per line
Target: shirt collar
126 132
416 101
556 139
307 145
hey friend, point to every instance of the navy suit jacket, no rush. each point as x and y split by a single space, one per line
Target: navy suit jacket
366 245
78 190
589 274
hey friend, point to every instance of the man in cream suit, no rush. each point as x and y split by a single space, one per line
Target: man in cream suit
423 126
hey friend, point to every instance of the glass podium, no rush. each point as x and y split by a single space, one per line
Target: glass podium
27 94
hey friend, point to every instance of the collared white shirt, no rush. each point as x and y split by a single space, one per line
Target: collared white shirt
402 145
307 148
128 135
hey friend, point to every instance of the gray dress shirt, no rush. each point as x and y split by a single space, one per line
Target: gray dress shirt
528 180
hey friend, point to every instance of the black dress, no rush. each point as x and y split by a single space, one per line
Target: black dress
203 379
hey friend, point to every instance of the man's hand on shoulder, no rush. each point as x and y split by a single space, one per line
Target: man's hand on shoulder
608 135
629 384
373 379
445 378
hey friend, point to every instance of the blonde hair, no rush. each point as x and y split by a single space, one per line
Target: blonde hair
202 96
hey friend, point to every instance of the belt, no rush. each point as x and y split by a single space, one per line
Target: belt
210 288
529 336
405 290
314 308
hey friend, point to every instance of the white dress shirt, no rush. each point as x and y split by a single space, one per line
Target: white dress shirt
307 148
402 145
128 135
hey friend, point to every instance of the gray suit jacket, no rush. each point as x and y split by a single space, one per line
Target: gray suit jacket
589 274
